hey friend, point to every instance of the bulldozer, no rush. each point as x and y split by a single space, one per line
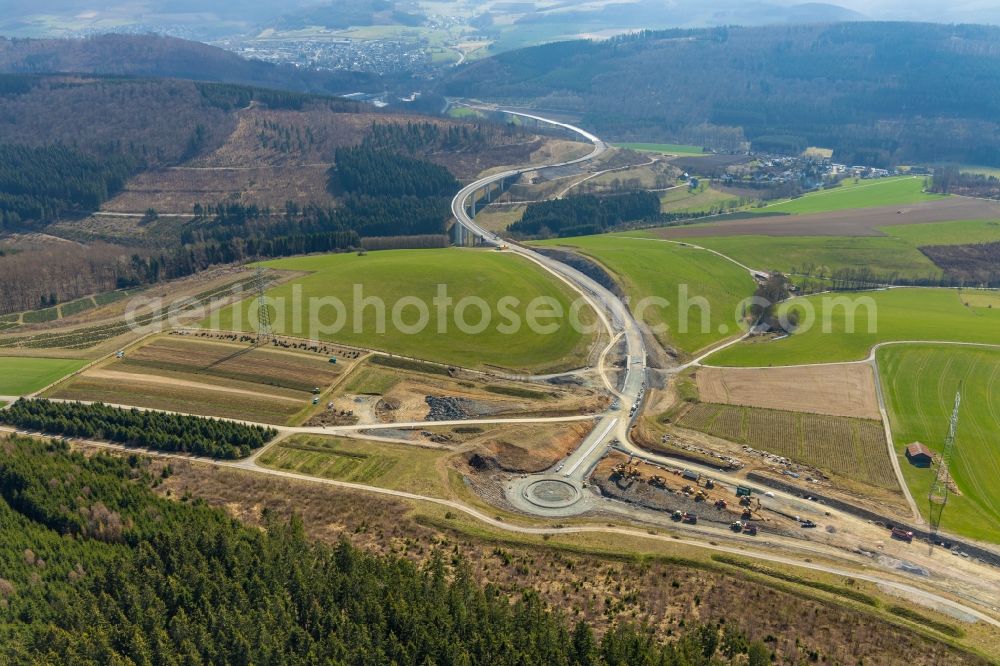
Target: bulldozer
657 481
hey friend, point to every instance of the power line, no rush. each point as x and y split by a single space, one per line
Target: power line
940 488
265 333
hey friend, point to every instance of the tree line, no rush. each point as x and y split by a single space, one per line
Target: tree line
147 580
585 214
950 180
134 427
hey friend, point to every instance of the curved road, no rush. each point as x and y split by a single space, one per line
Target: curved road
617 319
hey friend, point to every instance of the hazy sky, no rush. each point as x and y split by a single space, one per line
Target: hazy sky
919 10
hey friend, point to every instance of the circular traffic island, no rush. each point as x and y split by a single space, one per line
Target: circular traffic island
551 493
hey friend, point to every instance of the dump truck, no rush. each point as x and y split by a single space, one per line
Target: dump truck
902 534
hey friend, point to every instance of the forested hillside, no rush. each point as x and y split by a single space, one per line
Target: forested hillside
159 56
877 93
97 569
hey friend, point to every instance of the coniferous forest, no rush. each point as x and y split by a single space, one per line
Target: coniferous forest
97 569
585 214
133 427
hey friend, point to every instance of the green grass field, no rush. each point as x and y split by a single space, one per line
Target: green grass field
684 200
414 275
822 255
959 232
464 112
897 314
920 382
669 148
657 269
383 464
862 194
24 375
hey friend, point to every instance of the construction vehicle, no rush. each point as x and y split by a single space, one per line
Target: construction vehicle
657 481
676 515
687 490
626 471
691 476
747 514
902 535
737 526
709 484
750 529
721 504
700 496
690 518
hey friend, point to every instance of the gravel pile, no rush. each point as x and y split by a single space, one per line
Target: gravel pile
446 408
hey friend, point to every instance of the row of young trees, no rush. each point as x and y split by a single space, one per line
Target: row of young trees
134 427
586 214
147 580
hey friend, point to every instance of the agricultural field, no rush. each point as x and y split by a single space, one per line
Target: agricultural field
899 191
209 378
400 278
920 382
986 299
851 448
25 375
385 464
953 232
835 390
878 316
665 270
822 255
666 148
876 221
